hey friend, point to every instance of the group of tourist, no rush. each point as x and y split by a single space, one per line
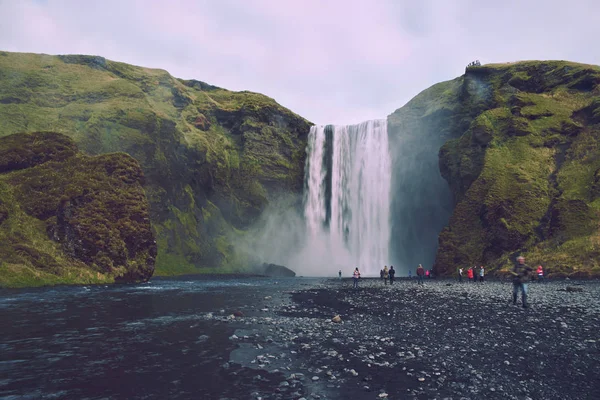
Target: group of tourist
387 274
521 276
473 273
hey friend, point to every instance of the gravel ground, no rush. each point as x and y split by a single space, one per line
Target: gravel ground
440 340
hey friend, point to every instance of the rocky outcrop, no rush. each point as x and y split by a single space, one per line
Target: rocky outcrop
521 164
212 159
71 218
277 271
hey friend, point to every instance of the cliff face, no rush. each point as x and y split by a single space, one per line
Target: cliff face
421 200
523 166
213 159
66 217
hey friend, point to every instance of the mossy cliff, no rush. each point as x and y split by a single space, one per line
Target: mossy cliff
212 158
523 165
66 217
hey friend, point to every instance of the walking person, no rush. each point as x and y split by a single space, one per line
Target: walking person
481 274
420 274
386 275
520 274
356 277
540 274
392 274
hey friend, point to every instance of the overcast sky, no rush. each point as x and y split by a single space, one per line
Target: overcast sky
330 61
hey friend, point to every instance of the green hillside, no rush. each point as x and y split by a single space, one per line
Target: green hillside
212 158
523 164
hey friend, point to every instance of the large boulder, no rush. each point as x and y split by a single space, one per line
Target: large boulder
67 217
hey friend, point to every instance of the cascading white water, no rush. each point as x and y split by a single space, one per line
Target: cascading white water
347 197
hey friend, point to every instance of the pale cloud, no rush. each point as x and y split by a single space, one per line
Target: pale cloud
330 61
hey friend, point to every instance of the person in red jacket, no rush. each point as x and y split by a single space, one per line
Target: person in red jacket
540 273
470 274
420 273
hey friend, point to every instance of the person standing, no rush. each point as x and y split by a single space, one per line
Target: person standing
410 274
540 274
392 274
420 274
427 274
460 274
481 274
340 274
470 274
520 274
386 275
356 277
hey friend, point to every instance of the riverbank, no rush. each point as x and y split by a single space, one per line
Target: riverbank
438 340
251 338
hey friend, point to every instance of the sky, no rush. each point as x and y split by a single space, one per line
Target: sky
330 61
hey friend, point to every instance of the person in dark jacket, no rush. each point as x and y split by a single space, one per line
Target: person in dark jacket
521 273
392 273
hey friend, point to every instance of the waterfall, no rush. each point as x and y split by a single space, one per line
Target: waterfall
347 197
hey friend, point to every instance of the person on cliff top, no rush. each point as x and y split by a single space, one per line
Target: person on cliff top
392 274
540 274
386 275
356 277
520 273
420 274
460 274
481 273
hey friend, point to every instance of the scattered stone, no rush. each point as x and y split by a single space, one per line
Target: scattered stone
337 319
574 289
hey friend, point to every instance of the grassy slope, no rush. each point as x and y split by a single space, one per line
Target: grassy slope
212 158
525 170
66 217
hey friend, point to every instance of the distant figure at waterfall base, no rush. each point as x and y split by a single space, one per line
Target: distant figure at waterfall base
392 274
420 274
356 277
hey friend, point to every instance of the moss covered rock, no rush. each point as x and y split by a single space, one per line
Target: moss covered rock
212 158
66 217
522 163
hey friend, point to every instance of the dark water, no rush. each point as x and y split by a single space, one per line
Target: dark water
140 341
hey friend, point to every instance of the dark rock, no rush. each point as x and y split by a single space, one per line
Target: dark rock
574 289
275 270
